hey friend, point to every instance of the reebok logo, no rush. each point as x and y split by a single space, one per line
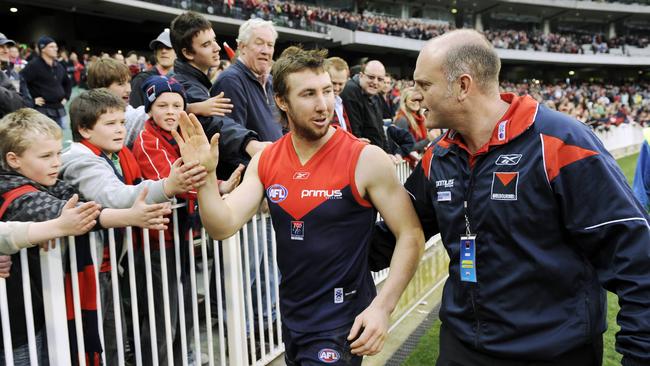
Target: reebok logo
508 159
300 175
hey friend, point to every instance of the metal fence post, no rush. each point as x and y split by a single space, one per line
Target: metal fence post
235 315
54 306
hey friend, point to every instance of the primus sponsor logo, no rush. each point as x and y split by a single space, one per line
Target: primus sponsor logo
332 194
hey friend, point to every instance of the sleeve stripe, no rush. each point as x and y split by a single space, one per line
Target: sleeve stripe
541 138
144 150
619 220
558 154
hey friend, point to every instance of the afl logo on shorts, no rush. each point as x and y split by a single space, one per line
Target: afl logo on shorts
328 355
277 193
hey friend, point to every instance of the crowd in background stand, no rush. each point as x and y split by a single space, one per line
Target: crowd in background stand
314 18
598 105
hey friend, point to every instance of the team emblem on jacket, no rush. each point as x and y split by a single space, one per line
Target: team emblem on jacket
504 186
508 159
328 355
297 230
277 193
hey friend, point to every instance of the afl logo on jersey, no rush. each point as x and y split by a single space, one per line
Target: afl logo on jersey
277 193
328 355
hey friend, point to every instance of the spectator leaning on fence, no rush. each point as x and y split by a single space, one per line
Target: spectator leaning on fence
156 151
30 146
536 217
104 170
197 51
327 296
248 83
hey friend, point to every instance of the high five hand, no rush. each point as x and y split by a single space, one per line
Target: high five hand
194 144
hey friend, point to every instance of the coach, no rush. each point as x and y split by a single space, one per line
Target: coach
535 215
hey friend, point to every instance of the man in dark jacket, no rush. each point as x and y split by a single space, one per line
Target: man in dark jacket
536 217
248 82
194 42
165 57
364 112
47 81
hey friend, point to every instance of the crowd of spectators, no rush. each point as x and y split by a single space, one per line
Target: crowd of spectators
315 18
565 42
596 104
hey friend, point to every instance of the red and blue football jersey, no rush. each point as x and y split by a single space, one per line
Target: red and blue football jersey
323 229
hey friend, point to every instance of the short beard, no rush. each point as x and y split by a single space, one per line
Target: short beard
301 131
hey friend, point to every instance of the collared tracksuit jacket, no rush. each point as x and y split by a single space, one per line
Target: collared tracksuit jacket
556 222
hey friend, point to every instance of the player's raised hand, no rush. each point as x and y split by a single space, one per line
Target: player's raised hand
194 145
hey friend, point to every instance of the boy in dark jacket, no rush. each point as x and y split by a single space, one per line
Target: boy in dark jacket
36 165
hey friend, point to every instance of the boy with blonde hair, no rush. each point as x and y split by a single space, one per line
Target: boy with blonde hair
30 148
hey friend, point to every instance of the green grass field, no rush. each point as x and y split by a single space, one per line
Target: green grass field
426 351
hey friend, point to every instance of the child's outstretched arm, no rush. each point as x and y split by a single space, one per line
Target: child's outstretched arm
74 220
226 186
141 214
183 178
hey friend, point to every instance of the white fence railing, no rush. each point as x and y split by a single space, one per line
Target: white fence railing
199 301
189 300
622 139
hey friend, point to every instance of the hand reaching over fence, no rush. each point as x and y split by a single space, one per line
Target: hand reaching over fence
141 214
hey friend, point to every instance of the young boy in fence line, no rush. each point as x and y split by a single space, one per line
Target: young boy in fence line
156 151
103 169
30 160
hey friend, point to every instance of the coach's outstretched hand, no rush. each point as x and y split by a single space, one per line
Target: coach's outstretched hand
194 144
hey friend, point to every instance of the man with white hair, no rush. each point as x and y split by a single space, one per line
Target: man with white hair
248 82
